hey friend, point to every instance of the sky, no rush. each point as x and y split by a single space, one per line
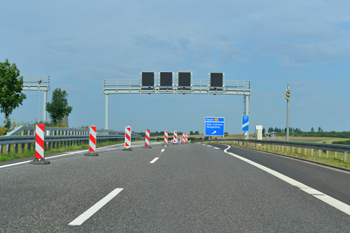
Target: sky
79 44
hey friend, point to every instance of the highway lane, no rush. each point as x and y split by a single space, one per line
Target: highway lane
190 188
331 181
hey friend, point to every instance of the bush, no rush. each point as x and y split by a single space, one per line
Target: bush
342 142
4 130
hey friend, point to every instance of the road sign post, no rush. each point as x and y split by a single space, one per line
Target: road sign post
214 126
245 126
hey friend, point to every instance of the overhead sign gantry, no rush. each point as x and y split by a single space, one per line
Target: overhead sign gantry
182 83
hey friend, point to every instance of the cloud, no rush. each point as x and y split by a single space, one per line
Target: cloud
304 54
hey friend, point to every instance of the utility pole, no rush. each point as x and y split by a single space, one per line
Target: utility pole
288 97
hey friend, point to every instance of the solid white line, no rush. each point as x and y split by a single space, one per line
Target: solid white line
14 164
93 209
51 157
154 160
321 196
209 146
216 148
71 153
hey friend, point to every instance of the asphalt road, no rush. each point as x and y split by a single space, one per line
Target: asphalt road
189 188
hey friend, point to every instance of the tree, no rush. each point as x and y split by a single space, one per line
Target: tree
312 130
191 132
196 133
58 108
11 86
263 131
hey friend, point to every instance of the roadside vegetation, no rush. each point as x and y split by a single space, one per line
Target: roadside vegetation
320 156
25 153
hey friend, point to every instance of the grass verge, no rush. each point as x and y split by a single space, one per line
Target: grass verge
25 153
332 158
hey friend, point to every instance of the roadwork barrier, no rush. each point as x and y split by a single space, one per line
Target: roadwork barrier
22 138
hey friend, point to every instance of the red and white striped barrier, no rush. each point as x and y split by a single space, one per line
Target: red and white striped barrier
186 137
92 141
165 137
147 136
127 142
39 145
175 136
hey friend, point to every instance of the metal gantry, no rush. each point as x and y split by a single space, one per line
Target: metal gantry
38 83
135 86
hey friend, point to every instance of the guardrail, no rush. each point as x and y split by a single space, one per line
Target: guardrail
56 137
310 145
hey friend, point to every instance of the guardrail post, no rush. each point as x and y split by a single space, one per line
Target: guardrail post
327 154
345 156
22 147
298 150
305 151
292 149
282 148
335 154
0 149
16 148
312 152
8 148
319 153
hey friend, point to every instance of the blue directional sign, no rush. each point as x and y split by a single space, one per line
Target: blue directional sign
245 123
214 126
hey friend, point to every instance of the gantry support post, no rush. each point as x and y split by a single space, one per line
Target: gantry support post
44 106
106 112
246 113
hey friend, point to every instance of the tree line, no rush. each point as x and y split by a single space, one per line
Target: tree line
11 97
312 133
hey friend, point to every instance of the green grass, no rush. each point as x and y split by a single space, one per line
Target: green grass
25 153
329 141
331 160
